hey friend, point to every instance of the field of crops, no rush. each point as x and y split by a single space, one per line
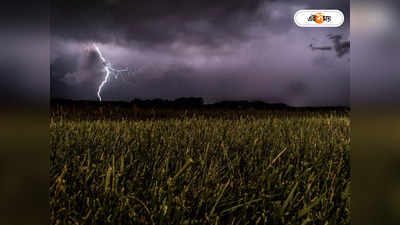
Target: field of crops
247 167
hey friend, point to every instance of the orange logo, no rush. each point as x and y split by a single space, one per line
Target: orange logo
319 18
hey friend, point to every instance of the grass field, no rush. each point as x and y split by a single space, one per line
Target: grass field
199 167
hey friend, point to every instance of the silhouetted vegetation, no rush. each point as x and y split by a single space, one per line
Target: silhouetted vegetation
179 108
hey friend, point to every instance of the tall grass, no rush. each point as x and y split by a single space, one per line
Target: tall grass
258 168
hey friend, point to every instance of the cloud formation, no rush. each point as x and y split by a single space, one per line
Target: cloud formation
214 49
341 47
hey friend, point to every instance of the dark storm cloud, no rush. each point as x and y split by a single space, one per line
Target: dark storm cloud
158 21
152 21
89 68
213 49
341 47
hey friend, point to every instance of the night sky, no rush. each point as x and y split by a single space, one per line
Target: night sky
218 50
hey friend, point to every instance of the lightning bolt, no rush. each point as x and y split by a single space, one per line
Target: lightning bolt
108 69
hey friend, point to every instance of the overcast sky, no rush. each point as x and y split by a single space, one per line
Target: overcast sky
218 50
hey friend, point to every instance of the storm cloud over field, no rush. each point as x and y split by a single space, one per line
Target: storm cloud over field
218 50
